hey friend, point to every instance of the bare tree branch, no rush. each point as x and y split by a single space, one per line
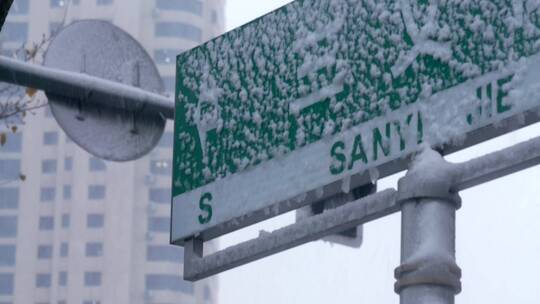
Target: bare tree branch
16 102
18 110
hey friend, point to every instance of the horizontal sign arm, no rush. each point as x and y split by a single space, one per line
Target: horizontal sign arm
380 204
497 164
310 229
81 86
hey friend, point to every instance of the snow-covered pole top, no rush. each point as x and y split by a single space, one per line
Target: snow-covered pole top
429 176
81 86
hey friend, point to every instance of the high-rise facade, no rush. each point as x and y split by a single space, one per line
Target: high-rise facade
78 229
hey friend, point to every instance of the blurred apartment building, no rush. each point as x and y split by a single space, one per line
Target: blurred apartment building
78 229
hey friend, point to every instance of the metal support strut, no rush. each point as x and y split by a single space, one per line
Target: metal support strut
428 273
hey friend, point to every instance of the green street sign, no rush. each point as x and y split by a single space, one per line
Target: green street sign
4 10
320 96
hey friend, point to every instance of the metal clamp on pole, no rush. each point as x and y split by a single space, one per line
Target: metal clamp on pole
428 272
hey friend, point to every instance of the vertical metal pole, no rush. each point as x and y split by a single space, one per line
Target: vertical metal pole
193 251
428 273
428 229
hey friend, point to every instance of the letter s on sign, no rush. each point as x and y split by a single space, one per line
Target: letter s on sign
205 206
338 158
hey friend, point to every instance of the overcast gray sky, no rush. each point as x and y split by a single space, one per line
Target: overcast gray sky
242 11
497 239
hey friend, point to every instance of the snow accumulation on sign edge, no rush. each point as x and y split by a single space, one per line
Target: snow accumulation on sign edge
319 91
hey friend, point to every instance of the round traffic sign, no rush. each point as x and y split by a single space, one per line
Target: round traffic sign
100 49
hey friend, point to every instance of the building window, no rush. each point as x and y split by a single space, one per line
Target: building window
96 192
8 226
15 32
164 253
46 223
45 251
10 169
96 164
43 280
65 220
95 220
94 249
47 194
104 2
161 167
7 255
166 56
214 16
19 7
160 195
48 166
64 250
54 27
158 224
66 192
50 138
169 83
178 30
207 293
166 140
68 163
15 54
167 282
191 6
92 278
58 3
6 284
9 198
13 143
62 278
48 112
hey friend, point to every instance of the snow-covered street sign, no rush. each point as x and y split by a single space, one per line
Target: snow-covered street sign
4 9
320 96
